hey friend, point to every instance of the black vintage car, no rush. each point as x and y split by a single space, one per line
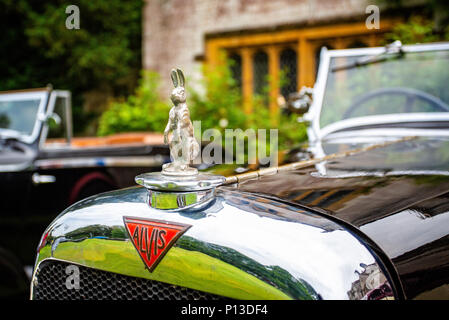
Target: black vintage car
43 169
365 217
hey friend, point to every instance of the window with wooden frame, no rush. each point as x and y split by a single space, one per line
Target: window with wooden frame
283 61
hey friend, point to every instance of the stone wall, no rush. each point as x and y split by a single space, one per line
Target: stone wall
174 30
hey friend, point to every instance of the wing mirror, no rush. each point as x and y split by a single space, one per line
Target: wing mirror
300 102
52 119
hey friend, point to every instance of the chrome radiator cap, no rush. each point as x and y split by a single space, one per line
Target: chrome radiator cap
179 192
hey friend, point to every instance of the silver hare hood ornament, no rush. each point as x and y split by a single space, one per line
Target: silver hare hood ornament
183 145
179 186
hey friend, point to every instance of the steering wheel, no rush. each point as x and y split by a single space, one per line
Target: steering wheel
411 95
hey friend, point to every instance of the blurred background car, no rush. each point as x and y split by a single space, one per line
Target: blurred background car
43 169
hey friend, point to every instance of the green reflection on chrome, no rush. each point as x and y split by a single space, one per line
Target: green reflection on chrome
166 200
181 267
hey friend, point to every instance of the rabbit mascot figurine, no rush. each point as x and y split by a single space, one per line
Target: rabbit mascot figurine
183 145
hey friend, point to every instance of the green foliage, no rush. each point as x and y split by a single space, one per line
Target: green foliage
104 54
100 50
221 100
221 106
291 133
142 111
417 29
426 21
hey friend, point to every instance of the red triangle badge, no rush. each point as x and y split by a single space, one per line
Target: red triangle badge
153 238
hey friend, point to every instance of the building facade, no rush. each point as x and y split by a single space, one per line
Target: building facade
264 38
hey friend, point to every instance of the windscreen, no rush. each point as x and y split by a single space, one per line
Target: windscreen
19 113
415 82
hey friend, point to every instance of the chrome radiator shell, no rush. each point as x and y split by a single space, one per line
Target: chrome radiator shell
240 246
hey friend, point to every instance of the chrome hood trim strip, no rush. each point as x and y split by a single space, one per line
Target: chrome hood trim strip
305 163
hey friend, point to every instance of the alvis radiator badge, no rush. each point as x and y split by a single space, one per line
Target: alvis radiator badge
153 238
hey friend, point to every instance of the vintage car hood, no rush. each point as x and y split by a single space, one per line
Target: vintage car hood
253 241
240 246
397 195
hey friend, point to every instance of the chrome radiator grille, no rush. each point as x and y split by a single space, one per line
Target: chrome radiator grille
94 284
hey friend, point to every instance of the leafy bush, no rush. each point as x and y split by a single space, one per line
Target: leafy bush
142 111
221 106
220 103
104 55
417 29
